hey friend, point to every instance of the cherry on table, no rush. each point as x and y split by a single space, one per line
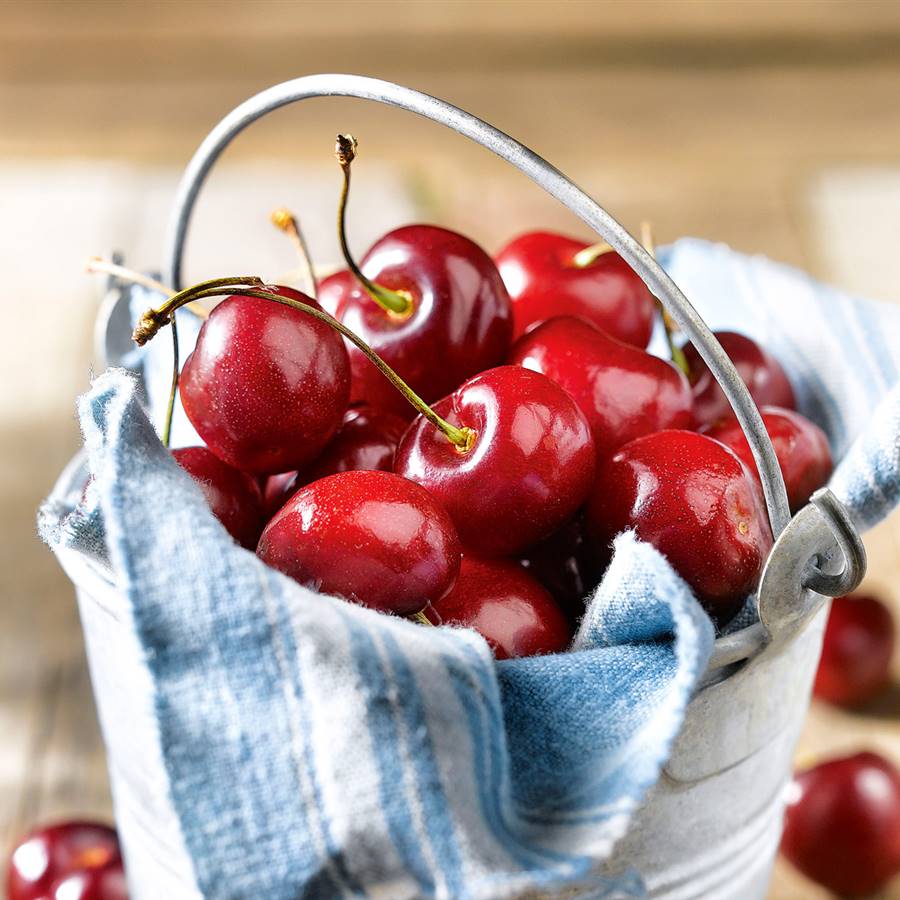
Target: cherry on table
842 824
528 469
366 441
623 391
800 446
695 501
759 370
549 274
857 650
47 855
267 385
233 496
371 537
506 606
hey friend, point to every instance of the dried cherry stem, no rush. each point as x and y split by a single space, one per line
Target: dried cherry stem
98 264
583 258
286 221
669 325
152 320
396 303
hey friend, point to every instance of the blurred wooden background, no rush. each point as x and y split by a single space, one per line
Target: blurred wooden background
774 126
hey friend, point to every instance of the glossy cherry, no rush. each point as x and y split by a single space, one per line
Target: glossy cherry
759 370
624 392
506 606
800 445
528 469
842 824
544 279
695 501
233 496
46 856
855 665
366 441
566 566
370 537
266 385
460 322
107 883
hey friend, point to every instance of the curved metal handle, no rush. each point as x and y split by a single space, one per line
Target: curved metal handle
556 184
540 171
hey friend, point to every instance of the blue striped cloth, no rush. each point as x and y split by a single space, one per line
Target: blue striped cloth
316 749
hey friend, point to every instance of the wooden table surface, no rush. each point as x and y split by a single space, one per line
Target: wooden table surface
773 126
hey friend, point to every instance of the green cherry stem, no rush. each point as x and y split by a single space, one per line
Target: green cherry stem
395 303
420 619
152 320
173 389
669 326
286 221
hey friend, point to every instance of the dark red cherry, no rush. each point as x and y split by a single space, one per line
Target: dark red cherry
460 323
365 442
370 537
842 824
624 392
93 884
857 651
528 470
566 566
267 385
695 501
544 279
506 606
49 854
800 445
233 496
759 370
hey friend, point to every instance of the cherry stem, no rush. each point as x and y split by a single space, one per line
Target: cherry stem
152 320
669 325
420 619
97 264
173 390
583 258
395 303
286 221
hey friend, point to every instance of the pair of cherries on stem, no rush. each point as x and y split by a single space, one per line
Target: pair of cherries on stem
68 861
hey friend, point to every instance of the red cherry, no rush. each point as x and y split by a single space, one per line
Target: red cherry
365 442
370 537
232 495
759 370
694 500
800 445
544 280
49 854
842 824
266 385
529 469
506 606
856 652
460 324
93 884
624 392
564 564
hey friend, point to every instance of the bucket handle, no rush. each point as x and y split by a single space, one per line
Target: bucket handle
589 211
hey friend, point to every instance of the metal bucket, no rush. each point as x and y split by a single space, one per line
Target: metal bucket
711 826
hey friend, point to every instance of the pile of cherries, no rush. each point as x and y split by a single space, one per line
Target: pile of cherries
550 430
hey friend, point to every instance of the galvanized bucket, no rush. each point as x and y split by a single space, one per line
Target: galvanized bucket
711 826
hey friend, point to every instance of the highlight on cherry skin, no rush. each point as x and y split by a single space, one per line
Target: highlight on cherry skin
842 824
549 274
76 859
370 537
